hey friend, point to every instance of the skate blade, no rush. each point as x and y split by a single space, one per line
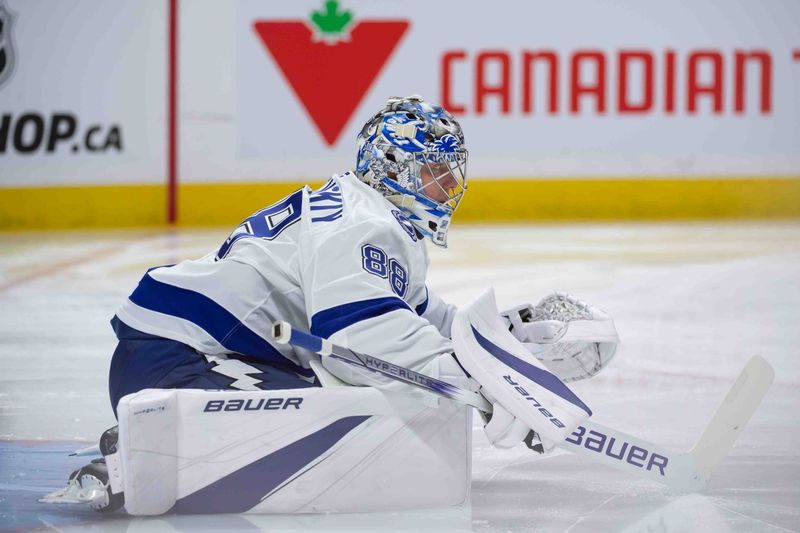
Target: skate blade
73 494
90 450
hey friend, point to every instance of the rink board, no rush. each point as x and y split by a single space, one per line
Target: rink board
502 200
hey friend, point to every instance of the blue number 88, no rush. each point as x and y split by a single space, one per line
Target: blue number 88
398 277
373 260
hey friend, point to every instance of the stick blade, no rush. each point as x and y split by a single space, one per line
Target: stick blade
732 415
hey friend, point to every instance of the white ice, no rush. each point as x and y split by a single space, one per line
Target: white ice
692 302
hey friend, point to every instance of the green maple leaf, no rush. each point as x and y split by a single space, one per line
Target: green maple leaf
331 20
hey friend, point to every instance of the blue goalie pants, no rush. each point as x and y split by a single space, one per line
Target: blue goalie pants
144 361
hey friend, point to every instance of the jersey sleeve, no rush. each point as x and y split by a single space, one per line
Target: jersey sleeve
437 312
357 284
213 306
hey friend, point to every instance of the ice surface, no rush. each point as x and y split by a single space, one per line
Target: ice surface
692 302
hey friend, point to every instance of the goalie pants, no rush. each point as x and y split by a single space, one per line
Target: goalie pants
144 361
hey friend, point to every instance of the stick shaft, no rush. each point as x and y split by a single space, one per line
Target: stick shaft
680 470
286 334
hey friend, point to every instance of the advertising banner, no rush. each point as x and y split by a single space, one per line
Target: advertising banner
543 89
586 109
82 93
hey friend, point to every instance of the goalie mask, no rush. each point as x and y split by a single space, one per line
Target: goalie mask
413 153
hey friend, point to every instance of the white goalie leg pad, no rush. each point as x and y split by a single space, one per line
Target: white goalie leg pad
148 424
114 473
313 450
512 376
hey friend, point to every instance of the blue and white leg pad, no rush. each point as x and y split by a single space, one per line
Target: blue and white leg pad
313 450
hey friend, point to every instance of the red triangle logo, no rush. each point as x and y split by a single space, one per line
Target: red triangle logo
330 80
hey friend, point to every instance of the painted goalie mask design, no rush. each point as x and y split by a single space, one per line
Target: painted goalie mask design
413 153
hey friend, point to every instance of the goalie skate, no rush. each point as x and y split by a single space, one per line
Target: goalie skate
88 485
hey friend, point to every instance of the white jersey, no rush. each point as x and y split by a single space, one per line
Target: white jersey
341 262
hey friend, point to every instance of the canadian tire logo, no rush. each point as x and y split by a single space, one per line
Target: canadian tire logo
7 56
331 61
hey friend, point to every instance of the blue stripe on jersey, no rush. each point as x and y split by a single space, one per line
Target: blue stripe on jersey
327 322
332 196
206 313
328 218
421 308
329 198
331 183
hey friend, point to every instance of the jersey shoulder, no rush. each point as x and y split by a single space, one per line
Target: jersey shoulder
348 208
368 253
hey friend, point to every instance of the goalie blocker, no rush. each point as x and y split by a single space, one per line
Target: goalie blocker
510 376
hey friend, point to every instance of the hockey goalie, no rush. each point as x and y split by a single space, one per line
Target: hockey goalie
214 415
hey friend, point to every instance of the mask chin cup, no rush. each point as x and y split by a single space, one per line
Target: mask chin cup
439 231
419 212
405 201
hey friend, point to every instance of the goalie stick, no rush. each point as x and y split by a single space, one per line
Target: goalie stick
685 471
